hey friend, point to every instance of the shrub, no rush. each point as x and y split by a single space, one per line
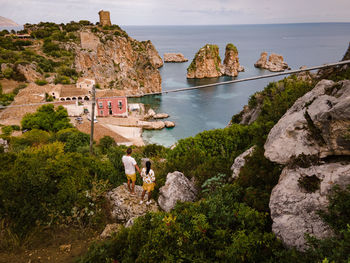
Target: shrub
309 183
106 142
41 82
47 118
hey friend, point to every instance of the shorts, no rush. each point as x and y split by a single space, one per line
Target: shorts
148 187
131 177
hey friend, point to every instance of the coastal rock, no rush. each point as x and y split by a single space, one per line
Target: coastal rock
151 125
174 57
275 63
206 63
177 188
240 162
109 230
306 76
317 124
231 61
117 61
149 114
294 210
160 116
169 124
125 206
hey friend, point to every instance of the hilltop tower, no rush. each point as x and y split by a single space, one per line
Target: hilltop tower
105 19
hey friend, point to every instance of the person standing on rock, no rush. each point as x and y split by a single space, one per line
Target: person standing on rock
149 179
130 165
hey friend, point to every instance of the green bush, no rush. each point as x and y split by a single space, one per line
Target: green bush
106 142
47 118
41 82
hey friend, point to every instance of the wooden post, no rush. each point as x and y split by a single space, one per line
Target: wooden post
93 103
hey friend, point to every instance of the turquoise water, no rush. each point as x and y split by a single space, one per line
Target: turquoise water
211 108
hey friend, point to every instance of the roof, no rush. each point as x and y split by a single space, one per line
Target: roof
109 93
72 91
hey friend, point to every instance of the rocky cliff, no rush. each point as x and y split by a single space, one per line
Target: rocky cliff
231 61
206 63
119 62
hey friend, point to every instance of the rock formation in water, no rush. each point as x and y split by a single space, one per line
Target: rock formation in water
315 127
206 63
275 62
231 61
177 188
174 57
117 61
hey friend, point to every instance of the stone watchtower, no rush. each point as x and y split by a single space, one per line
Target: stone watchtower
105 19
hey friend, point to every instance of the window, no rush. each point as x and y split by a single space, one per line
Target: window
100 105
109 104
101 112
120 104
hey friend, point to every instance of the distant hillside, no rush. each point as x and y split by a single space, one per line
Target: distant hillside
7 22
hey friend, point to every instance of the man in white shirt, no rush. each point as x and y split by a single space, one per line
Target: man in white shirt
130 165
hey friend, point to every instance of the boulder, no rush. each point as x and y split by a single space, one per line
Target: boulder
231 61
206 63
169 124
240 162
109 230
177 188
174 57
317 124
151 125
125 206
149 114
4 144
294 210
275 62
160 116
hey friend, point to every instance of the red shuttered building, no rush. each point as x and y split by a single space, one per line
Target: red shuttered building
112 106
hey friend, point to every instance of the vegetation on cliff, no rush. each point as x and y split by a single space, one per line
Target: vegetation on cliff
206 52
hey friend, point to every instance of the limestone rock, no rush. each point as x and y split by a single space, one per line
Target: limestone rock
231 61
305 75
275 62
160 116
4 144
130 222
109 230
116 61
325 133
151 125
169 124
206 63
294 211
29 72
174 57
177 188
240 162
125 206
149 114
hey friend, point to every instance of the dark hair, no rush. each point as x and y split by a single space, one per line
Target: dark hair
129 151
148 167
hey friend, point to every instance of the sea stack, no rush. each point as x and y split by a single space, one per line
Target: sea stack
231 61
274 64
206 63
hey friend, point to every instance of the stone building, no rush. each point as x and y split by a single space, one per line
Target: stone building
105 19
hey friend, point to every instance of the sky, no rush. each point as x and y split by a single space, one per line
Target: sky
178 12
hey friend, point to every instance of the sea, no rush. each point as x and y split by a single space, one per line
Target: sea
194 111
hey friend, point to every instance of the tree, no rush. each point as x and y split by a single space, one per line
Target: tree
47 118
